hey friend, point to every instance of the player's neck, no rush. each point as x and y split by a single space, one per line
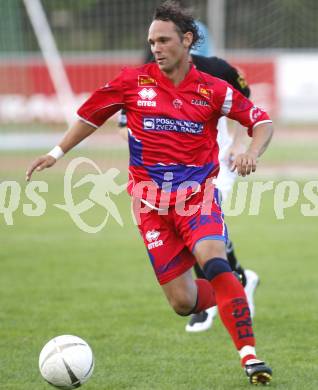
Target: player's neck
178 74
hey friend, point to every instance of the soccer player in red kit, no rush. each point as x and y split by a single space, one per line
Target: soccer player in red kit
172 112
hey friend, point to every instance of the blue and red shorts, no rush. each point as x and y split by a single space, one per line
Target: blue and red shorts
170 238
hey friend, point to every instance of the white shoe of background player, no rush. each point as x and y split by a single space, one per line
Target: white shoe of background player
252 281
201 321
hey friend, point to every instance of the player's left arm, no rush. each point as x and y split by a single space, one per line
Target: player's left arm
237 145
238 107
246 163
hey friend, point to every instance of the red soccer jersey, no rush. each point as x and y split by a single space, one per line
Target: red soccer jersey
172 129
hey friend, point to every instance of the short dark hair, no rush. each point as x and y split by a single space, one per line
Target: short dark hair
171 10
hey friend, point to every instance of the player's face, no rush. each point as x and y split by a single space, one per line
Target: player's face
168 47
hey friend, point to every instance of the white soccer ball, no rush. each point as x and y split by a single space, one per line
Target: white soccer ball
66 362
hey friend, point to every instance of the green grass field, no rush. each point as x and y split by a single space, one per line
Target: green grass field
56 279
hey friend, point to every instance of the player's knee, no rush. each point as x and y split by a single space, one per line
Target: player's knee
216 266
209 249
182 305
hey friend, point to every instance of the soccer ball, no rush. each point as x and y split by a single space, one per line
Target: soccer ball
66 362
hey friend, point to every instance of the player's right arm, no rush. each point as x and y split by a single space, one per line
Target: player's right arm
79 131
234 105
101 105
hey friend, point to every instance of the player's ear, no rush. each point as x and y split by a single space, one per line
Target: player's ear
187 39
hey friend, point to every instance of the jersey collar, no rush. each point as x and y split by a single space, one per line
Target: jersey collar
191 76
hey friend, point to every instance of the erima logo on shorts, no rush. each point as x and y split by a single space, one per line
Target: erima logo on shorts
170 124
152 237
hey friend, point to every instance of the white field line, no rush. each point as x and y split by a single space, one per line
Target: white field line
27 141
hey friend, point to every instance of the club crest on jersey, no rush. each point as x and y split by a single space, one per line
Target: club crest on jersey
177 104
147 95
146 81
204 91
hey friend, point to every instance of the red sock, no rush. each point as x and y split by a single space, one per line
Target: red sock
205 297
233 309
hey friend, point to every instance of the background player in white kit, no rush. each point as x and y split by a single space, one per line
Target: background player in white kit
229 147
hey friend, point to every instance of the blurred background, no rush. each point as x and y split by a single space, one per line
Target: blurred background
273 42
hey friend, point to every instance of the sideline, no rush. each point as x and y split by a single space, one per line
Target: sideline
25 141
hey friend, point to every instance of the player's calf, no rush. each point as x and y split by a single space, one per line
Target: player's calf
181 305
232 305
189 298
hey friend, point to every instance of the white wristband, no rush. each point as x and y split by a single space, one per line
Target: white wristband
56 152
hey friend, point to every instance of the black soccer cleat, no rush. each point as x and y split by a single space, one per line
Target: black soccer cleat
259 373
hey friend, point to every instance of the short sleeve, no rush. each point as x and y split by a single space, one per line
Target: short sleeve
238 107
103 103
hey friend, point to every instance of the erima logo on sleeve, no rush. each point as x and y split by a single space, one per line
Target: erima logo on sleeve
170 124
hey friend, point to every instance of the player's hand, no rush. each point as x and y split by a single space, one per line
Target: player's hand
245 163
233 151
39 164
